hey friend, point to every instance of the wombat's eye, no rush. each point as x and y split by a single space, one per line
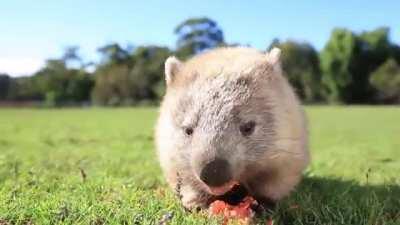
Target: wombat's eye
247 128
188 131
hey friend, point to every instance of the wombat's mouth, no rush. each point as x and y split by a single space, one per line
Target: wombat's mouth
233 196
222 189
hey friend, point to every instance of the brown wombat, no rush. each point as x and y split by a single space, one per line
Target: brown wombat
229 116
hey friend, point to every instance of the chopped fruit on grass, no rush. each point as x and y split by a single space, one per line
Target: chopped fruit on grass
241 211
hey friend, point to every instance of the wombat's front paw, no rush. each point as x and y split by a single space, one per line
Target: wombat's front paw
193 200
193 204
265 205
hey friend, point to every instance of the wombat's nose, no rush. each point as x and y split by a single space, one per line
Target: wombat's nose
216 173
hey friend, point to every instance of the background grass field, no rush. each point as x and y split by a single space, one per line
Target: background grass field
98 166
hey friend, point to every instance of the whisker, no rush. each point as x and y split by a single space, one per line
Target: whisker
287 138
294 153
278 152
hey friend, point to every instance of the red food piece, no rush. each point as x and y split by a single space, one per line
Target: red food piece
242 211
218 207
269 222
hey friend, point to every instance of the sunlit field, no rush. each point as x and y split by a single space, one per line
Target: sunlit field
98 166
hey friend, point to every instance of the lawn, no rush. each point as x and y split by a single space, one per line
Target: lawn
98 166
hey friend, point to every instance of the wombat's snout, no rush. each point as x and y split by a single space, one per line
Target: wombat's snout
216 173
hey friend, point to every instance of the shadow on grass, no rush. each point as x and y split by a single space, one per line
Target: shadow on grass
334 201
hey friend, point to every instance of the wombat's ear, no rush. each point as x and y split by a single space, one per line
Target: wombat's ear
274 59
274 56
172 66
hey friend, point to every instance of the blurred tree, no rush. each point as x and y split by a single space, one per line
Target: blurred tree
138 80
71 57
114 54
24 89
52 80
386 79
336 59
196 35
374 50
148 72
301 65
112 85
348 60
61 85
5 81
355 67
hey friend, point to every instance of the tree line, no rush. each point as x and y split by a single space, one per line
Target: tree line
352 68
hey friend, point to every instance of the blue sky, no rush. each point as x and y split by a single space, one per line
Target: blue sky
32 31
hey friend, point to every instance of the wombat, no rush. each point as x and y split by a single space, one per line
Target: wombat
230 116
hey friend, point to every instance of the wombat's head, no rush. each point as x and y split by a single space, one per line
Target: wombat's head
219 114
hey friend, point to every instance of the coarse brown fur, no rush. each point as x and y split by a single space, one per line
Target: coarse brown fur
213 94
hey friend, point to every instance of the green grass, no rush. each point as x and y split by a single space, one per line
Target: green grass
98 166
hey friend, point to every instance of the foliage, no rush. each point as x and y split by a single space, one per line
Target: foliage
63 85
139 79
71 56
348 60
56 83
386 79
73 166
301 66
344 71
114 54
198 34
335 62
5 81
24 89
